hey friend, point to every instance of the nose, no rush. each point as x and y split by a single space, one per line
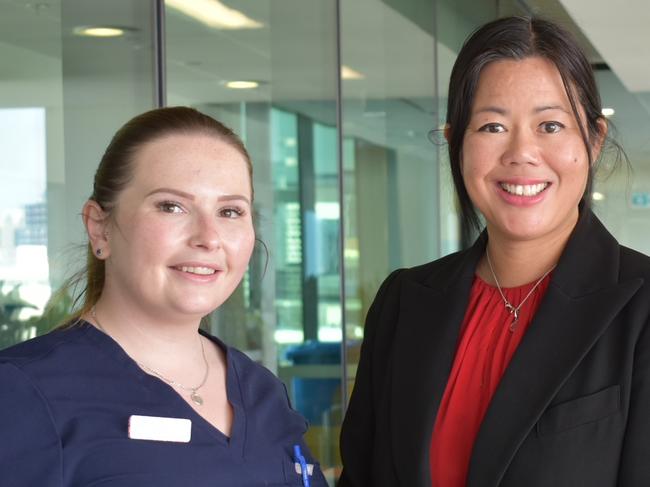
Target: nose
522 148
205 233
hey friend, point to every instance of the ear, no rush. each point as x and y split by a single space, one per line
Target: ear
600 138
96 222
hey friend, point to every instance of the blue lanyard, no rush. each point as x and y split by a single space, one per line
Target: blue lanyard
303 465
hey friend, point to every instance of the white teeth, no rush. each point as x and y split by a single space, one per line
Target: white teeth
524 189
203 271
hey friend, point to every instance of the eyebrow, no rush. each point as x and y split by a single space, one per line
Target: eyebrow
189 196
544 108
503 111
491 109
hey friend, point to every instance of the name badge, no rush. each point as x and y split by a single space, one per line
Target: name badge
160 429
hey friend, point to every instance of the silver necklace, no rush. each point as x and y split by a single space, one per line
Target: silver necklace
194 395
514 310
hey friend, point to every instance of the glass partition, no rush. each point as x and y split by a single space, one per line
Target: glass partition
399 208
63 92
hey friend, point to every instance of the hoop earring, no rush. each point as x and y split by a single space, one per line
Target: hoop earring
266 254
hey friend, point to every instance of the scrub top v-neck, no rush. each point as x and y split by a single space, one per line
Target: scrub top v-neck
65 407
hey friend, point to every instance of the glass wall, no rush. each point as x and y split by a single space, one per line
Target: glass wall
334 100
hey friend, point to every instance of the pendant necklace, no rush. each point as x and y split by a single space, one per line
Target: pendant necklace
514 310
194 395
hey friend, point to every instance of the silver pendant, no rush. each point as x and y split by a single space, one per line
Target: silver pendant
513 311
196 399
513 325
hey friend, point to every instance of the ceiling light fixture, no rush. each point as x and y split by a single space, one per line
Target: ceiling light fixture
214 14
349 73
242 85
99 31
608 112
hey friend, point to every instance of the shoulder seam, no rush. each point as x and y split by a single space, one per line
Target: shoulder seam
24 360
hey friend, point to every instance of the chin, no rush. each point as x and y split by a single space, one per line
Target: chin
196 309
523 228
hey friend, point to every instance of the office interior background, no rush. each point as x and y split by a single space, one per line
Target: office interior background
334 99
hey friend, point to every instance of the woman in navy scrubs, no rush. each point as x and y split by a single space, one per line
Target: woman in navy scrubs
130 392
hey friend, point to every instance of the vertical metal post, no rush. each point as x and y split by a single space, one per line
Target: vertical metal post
307 195
438 121
341 176
160 71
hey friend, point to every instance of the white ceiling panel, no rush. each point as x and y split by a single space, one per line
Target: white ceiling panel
620 31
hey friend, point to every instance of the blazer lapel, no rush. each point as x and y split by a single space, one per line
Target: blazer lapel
562 332
425 344
581 301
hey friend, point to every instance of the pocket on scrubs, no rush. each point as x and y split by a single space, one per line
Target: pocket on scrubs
293 474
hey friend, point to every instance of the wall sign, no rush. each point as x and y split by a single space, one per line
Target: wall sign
640 199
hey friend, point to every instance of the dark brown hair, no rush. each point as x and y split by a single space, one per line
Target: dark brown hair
517 38
117 166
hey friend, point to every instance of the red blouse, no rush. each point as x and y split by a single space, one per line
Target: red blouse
485 349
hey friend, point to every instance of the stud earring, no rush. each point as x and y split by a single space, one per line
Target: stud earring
98 252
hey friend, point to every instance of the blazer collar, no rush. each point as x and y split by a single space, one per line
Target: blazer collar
590 260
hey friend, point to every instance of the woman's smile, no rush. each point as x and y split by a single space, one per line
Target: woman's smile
524 163
198 273
523 194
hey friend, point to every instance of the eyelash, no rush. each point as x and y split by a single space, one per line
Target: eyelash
166 206
488 126
237 211
558 124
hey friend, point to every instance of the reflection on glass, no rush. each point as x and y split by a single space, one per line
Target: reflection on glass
24 270
287 243
51 59
391 203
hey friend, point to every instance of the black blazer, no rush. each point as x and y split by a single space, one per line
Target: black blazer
573 407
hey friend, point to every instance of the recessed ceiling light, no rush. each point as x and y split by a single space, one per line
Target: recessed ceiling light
349 73
596 196
608 112
214 14
99 31
242 85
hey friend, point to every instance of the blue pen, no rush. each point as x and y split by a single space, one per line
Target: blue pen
303 465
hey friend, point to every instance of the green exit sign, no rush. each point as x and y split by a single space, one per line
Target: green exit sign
640 199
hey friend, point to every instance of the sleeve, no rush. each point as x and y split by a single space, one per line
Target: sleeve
634 470
30 448
358 429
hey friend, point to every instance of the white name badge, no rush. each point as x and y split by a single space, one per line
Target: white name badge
160 429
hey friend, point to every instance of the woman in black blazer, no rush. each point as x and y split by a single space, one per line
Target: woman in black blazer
525 359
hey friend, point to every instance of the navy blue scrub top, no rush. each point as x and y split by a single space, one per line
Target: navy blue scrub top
66 398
